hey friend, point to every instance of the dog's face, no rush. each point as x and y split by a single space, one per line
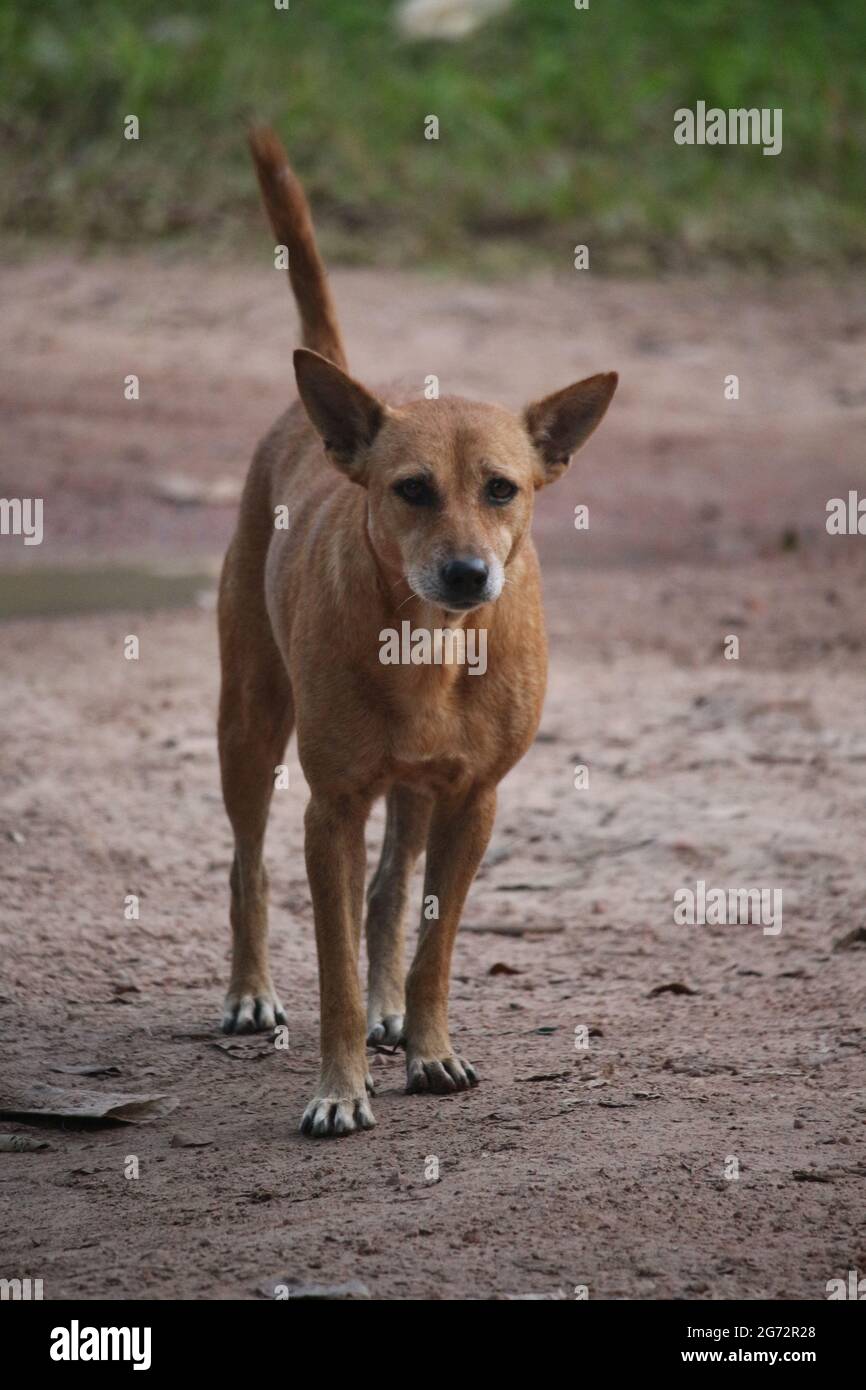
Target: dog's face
450 482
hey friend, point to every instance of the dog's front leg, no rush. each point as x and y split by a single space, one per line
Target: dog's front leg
459 834
336 865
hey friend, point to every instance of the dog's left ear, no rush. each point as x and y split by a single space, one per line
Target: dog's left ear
560 423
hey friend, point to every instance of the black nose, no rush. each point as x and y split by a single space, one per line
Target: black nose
464 578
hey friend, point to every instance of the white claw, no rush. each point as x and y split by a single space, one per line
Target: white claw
330 1116
252 1013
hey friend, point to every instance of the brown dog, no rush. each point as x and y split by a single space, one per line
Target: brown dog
415 512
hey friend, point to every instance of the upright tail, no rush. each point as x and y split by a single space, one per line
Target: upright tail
290 219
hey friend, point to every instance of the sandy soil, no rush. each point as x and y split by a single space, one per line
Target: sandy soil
603 1166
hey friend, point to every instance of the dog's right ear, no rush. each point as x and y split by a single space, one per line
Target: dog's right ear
560 423
345 414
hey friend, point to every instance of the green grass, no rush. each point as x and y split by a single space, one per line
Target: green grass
556 127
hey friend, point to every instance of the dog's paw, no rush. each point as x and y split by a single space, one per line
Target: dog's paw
252 1013
439 1075
330 1117
385 1030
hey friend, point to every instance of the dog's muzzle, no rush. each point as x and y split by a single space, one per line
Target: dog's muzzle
460 583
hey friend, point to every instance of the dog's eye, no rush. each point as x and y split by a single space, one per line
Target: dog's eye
501 490
416 491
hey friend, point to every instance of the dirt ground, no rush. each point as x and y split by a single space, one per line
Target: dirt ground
606 1166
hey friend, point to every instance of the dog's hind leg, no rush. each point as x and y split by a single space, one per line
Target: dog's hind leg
406 826
459 833
255 721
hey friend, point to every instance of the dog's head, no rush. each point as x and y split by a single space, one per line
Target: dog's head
450 482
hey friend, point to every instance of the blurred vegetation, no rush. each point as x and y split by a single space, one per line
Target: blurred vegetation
556 127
